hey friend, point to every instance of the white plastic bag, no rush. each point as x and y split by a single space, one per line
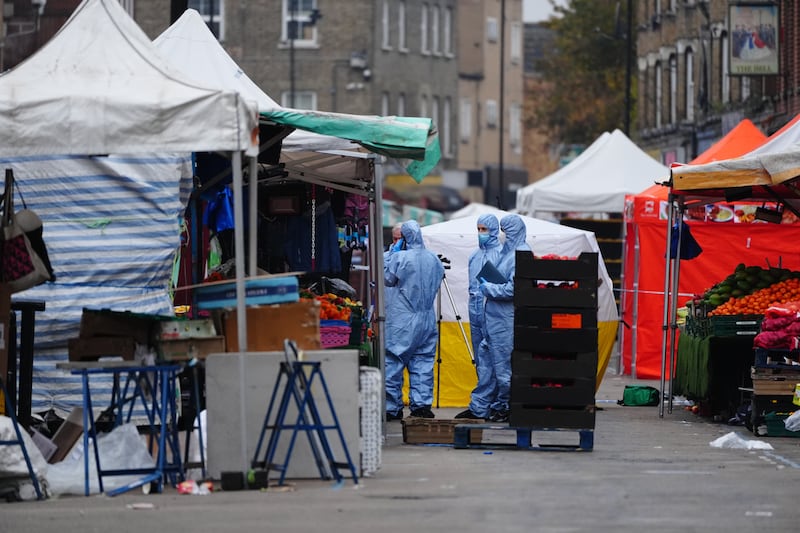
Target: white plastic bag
792 422
736 441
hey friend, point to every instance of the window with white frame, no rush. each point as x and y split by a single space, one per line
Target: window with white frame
491 30
516 42
423 30
447 32
444 127
435 110
302 100
385 104
435 47
659 94
401 105
491 113
745 88
385 31
689 73
465 120
673 89
401 26
515 127
299 21
212 11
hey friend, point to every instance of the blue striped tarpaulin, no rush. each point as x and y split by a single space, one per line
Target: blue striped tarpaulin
112 228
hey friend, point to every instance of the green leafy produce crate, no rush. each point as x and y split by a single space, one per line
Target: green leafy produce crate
734 325
776 427
697 327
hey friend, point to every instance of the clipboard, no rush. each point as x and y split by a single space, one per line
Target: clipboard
490 273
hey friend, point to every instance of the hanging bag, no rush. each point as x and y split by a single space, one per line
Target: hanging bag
24 262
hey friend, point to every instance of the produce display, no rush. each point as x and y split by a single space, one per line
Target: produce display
332 307
749 290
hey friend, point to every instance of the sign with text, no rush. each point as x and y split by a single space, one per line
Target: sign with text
753 40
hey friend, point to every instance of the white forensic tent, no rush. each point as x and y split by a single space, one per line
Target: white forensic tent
456 239
596 181
476 208
71 115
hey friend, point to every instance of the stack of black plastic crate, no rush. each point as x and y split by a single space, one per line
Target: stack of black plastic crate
554 362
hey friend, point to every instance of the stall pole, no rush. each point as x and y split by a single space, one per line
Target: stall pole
241 311
637 247
252 268
376 253
238 236
665 317
676 272
622 303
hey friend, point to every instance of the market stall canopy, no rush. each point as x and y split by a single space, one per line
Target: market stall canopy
596 181
99 86
191 46
743 138
769 171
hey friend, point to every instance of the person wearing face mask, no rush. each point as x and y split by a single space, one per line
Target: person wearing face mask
498 342
413 275
396 237
488 251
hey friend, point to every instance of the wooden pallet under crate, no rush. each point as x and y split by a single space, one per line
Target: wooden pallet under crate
435 431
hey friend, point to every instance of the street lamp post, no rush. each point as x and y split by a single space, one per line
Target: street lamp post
292 37
500 203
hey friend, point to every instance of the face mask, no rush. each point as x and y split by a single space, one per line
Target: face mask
483 238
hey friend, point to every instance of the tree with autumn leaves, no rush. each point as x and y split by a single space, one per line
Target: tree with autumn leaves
582 93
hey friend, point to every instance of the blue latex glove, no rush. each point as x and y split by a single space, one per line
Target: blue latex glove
398 245
484 290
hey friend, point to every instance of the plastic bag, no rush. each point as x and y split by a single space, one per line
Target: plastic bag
333 286
792 422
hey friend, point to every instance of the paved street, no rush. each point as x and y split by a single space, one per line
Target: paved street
645 474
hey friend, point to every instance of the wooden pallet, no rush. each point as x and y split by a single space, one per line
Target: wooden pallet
464 438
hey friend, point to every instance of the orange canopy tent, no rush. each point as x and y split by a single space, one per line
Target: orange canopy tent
725 244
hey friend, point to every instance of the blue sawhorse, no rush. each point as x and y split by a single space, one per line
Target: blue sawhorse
524 440
155 387
18 440
297 390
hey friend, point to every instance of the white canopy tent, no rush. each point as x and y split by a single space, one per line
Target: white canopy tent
596 181
99 87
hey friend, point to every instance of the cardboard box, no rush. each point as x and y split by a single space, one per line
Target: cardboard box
92 349
67 435
107 323
185 349
268 326
186 329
